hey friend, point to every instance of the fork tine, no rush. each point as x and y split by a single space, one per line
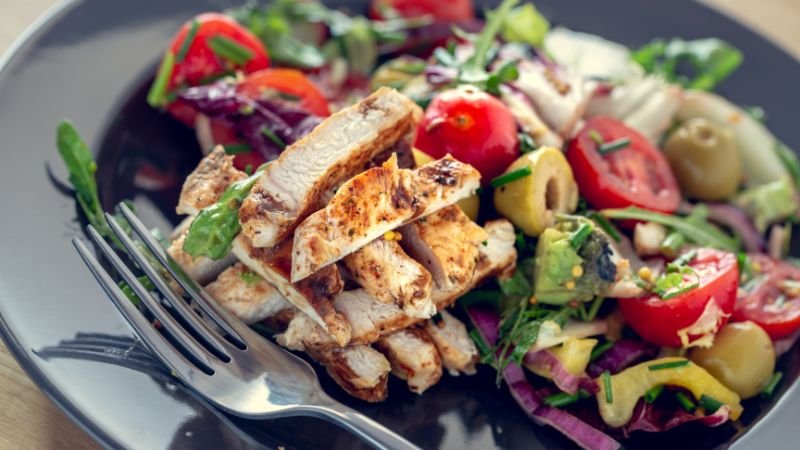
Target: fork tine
199 353
209 337
209 306
168 355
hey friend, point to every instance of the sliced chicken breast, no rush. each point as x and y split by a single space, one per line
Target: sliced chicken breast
360 370
370 319
446 243
246 295
374 202
387 273
449 335
314 295
208 181
413 358
292 186
201 269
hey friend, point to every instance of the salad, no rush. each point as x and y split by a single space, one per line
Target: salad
419 190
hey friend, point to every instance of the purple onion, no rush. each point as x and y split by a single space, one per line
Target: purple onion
735 219
622 355
564 380
654 418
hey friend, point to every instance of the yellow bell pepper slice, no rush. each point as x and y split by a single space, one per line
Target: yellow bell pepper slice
469 205
628 386
575 354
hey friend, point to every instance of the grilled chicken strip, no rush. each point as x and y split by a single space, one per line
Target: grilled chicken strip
446 243
456 348
374 202
246 295
371 319
292 186
360 370
200 269
314 295
413 358
387 273
207 182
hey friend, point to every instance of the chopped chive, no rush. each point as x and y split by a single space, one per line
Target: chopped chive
606 226
248 169
526 143
227 48
652 394
155 97
681 290
600 349
710 404
562 399
596 137
607 387
483 348
596 304
685 258
672 244
668 365
613 146
235 149
511 176
685 401
578 237
769 389
273 137
187 41
215 76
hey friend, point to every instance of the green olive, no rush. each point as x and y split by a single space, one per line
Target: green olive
742 358
705 160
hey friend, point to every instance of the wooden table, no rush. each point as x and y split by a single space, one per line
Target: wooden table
28 420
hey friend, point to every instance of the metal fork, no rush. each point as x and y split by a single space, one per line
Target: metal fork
226 362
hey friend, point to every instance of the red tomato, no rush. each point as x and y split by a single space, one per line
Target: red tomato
201 63
441 10
774 301
658 321
474 127
288 81
637 175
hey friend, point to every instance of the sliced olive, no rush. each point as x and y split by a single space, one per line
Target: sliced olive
705 160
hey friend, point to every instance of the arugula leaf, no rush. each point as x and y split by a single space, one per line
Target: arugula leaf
473 71
697 231
508 72
711 60
212 232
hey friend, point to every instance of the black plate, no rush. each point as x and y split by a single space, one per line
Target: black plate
90 61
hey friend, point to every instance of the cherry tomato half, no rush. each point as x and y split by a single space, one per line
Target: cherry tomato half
636 175
474 127
773 300
441 10
286 81
658 321
199 62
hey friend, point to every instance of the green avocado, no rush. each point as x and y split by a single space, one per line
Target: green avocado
555 259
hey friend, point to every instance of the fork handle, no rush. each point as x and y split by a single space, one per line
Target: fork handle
362 426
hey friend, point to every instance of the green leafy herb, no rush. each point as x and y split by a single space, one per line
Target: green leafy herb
227 48
600 349
526 25
486 352
213 230
596 137
506 73
188 40
607 386
235 149
273 137
789 160
698 232
672 244
563 399
158 90
473 71
711 60
652 394
511 176
769 389
685 402
668 365
613 146
769 203
710 404
594 309
249 277
127 290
